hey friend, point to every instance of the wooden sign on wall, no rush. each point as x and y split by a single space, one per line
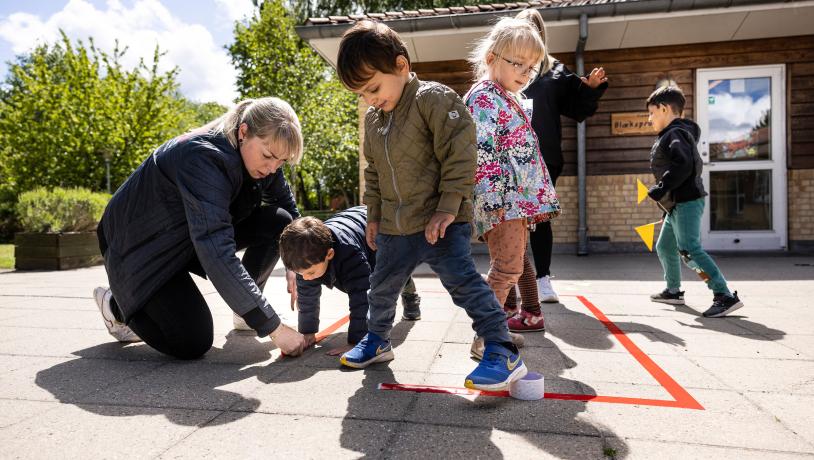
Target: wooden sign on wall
631 124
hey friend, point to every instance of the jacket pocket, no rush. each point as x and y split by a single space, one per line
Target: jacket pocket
667 202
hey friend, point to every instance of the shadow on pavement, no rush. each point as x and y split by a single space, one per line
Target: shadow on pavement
743 327
109 375
432 423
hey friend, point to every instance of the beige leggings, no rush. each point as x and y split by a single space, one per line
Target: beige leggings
507 244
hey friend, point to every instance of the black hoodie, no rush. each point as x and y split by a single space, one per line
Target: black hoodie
676 164
559 92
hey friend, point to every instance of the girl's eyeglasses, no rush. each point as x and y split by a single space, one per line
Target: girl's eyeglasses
530 71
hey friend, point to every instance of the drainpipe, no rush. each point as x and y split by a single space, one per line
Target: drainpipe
582 245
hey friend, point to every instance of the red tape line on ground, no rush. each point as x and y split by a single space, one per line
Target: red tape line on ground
676 391
321 335
330 329
682 399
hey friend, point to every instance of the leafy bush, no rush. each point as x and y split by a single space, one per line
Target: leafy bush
60 210
67 109
8 216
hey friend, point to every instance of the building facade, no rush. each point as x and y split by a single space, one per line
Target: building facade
746 68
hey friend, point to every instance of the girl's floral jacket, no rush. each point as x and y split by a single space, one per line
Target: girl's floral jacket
511 181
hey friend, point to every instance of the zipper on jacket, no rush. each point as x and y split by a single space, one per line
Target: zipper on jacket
392 170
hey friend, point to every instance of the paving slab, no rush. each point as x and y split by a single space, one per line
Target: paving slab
69 343
14 411
781 376
718 424
187 385
418 442
333 393
64 379
793 411
643 449
263 436
87 431
68 389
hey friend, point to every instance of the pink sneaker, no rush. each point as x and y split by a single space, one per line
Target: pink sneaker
526 322
511 311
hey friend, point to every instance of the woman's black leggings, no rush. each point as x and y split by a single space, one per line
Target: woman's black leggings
542 239
177 321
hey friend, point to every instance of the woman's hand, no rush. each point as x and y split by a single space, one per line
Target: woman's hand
596 78
289 341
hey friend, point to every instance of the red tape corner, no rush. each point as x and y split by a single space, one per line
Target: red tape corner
681 399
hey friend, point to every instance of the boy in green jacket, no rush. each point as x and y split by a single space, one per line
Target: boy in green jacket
421 152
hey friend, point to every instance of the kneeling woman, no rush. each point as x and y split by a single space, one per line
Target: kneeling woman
189 207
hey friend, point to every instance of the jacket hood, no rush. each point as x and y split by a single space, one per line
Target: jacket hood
685 124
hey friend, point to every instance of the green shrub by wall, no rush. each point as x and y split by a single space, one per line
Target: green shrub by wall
60 210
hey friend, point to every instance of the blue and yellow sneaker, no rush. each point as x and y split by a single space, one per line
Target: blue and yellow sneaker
497 369
371 349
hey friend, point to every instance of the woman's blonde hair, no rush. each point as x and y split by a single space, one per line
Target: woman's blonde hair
509 34
536 19
269 118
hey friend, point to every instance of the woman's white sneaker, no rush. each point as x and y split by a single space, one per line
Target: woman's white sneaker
117 329
545 290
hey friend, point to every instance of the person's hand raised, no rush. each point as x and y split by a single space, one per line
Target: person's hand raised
595 78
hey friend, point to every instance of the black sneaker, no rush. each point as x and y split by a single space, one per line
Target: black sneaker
723 305
411 303
666 296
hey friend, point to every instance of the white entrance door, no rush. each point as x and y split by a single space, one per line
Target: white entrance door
742 114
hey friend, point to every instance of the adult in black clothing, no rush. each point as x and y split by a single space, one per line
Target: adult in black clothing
555 92
187 209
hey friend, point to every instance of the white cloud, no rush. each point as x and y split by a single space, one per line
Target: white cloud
206 73
236 10
733 117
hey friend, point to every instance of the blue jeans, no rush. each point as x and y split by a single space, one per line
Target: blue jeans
451 259
682 232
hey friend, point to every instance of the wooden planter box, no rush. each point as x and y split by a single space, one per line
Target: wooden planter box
55 251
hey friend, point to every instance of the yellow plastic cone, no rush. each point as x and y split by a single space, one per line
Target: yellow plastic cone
642 191
646 233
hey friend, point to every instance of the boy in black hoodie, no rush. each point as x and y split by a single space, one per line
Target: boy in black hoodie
334 253
676 165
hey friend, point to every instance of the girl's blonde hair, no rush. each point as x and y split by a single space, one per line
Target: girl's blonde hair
536 19
509 34
269 118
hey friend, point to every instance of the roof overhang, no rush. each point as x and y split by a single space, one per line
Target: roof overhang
628 24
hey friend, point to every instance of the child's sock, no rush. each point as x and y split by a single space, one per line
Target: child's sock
673 290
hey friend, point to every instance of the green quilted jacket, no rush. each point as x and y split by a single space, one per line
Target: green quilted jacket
421 159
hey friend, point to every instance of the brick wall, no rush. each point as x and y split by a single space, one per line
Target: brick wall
613 213
801 204
611 209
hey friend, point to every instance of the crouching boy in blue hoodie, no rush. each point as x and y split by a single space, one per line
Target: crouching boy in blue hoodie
334 254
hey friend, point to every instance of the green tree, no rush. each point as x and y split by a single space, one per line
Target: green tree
68 107
272 60
305 9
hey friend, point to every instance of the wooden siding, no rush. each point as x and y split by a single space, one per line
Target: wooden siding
633 75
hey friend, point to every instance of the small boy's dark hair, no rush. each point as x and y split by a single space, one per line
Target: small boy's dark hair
668 95
365 48
305 242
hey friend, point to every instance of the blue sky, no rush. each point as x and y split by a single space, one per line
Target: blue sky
192 32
